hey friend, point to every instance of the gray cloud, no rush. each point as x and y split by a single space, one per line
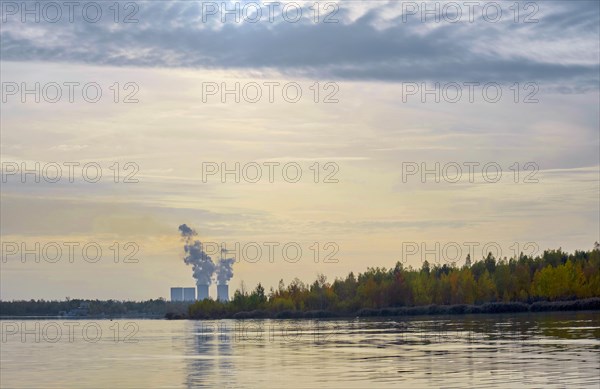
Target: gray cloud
372 47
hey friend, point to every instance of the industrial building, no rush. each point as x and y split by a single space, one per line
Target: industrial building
198 293
189 294
183 294
177 294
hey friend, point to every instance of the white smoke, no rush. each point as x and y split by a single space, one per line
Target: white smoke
224 269
203 266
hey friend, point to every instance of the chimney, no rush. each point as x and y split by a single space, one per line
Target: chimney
202 292
223 292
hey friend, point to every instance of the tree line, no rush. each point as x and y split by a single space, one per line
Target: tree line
552 276
97 308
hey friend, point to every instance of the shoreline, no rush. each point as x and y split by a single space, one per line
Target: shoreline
589 304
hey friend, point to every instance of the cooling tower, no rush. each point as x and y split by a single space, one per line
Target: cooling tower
202 292
223 292
176 294
189 294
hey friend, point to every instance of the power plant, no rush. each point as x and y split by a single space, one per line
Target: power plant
204 269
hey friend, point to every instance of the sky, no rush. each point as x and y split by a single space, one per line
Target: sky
338 115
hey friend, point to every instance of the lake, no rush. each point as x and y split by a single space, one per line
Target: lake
559 350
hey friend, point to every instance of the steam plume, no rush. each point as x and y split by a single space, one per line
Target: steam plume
202 264
224 269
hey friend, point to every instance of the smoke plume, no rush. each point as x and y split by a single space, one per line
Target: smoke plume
202 264
224 269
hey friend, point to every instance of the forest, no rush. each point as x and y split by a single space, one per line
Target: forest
553 276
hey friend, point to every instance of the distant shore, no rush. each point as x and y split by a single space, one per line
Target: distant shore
179 311
89 317
590 304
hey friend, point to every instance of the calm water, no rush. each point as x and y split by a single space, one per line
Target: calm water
501 351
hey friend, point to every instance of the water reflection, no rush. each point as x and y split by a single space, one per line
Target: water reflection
210 346
524 350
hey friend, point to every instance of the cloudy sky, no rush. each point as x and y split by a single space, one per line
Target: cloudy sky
368 72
